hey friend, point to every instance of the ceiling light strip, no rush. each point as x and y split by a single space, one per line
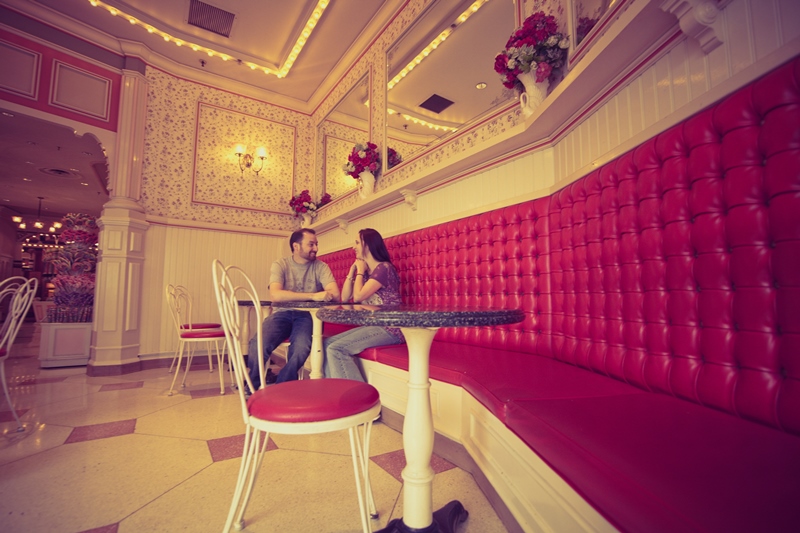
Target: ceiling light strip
434 44
316 14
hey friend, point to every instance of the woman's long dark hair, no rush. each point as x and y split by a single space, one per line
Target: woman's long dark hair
374 242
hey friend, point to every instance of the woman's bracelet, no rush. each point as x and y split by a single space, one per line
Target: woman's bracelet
359 274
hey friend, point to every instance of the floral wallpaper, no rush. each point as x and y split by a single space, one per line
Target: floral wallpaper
190 171
218 131
337 149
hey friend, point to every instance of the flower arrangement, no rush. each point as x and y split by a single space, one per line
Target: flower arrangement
302 203
585 25
74 266
393 157
537 46
363 158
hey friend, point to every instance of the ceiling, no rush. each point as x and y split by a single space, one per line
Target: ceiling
262 34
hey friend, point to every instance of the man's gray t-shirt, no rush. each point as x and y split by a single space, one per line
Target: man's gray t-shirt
310 277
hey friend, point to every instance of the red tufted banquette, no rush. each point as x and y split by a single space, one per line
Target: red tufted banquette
658 367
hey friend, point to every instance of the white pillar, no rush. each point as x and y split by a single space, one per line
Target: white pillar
115 338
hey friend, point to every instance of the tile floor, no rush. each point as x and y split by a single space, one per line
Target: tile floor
116 454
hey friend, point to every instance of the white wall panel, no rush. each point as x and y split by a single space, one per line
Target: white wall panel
183 256
750 31
510 182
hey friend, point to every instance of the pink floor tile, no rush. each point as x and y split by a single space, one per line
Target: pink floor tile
122 386
8 416
231 447
101 431
204 393
394 462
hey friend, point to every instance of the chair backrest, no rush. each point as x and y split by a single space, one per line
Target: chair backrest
21 297
227 293
180 306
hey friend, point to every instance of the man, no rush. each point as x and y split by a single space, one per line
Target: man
298 277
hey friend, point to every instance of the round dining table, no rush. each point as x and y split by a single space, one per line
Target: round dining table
419 324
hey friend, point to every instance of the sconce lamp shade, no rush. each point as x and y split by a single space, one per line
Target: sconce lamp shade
247 160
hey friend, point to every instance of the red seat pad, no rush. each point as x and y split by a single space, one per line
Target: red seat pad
203 334
202 325
494 377
650 462
312 400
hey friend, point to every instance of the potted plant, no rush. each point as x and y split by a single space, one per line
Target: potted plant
533 53
364 164
304 206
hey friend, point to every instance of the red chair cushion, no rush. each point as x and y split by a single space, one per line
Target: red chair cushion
202 325
203 334
313 400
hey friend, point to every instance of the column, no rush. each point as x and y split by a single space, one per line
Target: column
115 334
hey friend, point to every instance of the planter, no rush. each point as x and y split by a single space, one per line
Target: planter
366 184
307 220
64 344
535 92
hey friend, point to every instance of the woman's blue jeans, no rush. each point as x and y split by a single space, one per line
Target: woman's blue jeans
297 326
341 349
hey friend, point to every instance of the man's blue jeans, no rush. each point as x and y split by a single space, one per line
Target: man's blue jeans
297 326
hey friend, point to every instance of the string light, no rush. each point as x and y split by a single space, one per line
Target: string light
282 72
434 44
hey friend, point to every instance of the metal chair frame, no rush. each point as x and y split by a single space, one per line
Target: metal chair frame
20 292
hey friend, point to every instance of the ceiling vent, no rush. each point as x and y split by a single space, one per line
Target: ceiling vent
436 104
210 18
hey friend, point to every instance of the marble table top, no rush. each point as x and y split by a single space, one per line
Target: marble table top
249 303
302 304
418 316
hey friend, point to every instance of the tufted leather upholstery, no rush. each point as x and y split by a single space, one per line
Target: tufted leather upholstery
673 270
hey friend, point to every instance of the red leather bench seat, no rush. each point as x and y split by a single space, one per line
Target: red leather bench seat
658 366
496 377
649 462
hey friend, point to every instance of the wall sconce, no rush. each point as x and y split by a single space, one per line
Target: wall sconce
247 160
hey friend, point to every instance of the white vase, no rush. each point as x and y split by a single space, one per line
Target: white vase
366 184
307 220
534 94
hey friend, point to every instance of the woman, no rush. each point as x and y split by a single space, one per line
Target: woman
372 280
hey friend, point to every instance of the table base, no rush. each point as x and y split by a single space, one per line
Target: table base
445 520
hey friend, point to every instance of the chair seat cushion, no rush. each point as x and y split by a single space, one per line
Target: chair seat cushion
650 462
202 325
312 400
203 334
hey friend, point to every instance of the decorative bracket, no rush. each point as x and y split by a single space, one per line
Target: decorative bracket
699 19
410 198
342 224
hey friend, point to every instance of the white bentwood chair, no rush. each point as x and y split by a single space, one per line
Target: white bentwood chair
191 333
291 408
19 293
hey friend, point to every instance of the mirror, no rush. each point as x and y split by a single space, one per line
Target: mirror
436 86
346 125
586 15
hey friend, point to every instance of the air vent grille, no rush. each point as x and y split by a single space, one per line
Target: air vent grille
436 103
210 18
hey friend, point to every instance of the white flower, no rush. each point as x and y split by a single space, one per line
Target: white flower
552 41
564 43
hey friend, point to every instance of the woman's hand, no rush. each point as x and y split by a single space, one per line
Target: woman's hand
361 266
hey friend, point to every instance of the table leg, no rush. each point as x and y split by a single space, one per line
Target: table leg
245 338
418 515
316 346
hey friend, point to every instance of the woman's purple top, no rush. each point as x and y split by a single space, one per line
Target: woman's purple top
389 293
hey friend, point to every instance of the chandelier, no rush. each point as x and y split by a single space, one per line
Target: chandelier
37 224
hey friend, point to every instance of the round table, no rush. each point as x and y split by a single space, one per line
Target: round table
419 325
312 307
248 307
